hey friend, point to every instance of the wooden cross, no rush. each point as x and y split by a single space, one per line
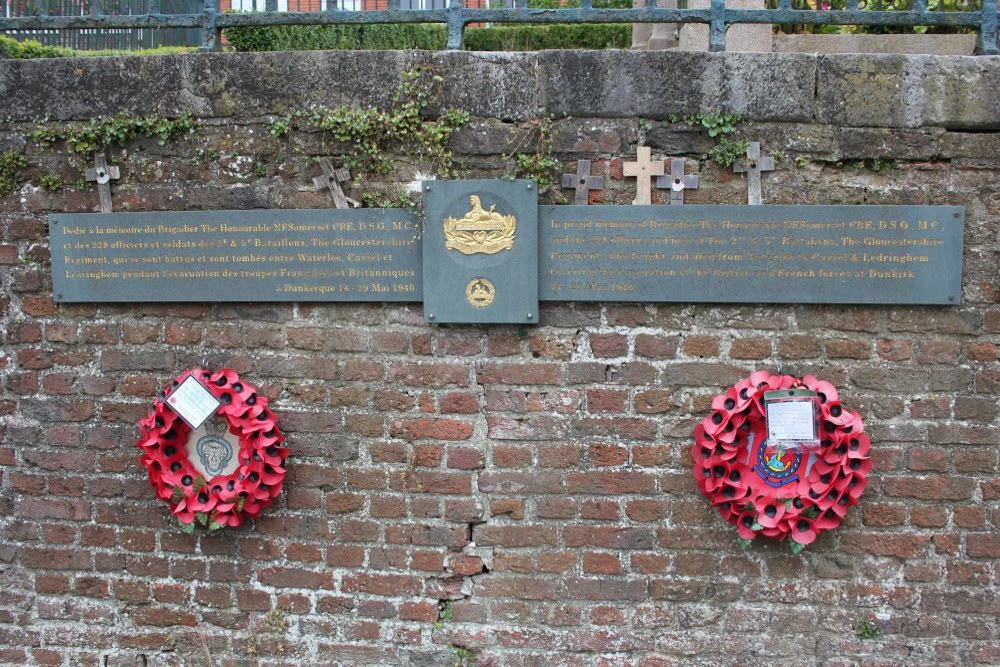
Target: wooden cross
643 170
582 181
753 166
332 178
103 174
677 181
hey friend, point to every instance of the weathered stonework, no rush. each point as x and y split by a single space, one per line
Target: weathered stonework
520 494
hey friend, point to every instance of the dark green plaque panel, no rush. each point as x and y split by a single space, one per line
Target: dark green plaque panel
752 254
481 251
279 255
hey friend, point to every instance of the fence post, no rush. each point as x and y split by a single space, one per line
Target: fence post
456 24
210 37
988 29
717 28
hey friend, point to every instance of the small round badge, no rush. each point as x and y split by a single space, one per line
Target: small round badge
480 292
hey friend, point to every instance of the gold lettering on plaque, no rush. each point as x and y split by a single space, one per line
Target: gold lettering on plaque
480 231
480 292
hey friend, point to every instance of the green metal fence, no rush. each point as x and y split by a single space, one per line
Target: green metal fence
977 15
97 36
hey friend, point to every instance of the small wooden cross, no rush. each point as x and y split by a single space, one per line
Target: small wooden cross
332 178
643 170
103 174
582 181
677 181
753 166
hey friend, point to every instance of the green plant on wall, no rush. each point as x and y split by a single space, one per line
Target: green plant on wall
718 125
537 165
368 134
867 628
10 162
114 131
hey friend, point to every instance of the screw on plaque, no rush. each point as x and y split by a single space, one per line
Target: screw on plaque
102 174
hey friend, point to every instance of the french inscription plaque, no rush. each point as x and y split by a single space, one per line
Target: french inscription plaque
758 254
257 255
480 245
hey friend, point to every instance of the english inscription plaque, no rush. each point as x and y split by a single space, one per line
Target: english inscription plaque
279 255
480 243
758 254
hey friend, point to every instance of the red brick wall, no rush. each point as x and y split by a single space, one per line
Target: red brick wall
523 494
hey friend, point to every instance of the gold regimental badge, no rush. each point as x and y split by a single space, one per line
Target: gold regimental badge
480 292
480 231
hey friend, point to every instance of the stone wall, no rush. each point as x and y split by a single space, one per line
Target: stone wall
508 495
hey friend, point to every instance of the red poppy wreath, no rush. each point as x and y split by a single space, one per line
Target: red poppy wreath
773 490
213 472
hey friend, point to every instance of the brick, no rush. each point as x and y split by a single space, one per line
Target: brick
656 347
895 350
382 584
433 429
543 373
845 348
982 351
608 345
431 482
610 483
938 352
980 545
515 536
286 577
601 563
756 347
465 458
459 402
701 346
632 428
429 375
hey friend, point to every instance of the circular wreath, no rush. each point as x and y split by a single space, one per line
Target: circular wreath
775 491
223 500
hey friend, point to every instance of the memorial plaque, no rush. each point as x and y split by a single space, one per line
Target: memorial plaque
759 254
258 255
480 251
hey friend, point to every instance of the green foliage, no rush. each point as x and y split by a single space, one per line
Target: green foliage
117 130
744 544
463 656
539 165
445 613
429 37
795 547
866 628
715 123
556 36
10 162
726 151
177 495
29 48
338 37
368 133
880 163
50 182
398 198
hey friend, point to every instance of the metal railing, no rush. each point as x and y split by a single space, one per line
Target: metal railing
456 16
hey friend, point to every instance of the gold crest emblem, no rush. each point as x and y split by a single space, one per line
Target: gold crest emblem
480 231
480 292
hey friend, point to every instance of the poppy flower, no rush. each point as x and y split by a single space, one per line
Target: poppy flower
771 513
803 530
